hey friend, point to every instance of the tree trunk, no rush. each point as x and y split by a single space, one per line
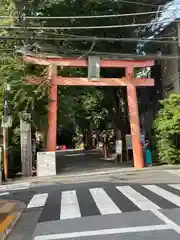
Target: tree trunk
121 125
97 139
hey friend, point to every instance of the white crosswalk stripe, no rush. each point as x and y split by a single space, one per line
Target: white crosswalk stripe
104 202
14 186
69 205
174 171
171 197
146 198
4 193
38 200
176 186
139 200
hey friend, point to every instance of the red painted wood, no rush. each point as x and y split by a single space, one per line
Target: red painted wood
134 121
108 63
70 62
52 111
71 81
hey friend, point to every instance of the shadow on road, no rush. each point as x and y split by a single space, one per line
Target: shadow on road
79 161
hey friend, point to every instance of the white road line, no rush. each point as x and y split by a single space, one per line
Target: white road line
102 232
175 172
38 200
69 205
4 193
171 197
139 200
176 186
169 222
15 186
104 202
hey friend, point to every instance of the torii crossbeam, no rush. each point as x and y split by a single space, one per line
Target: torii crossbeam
129 81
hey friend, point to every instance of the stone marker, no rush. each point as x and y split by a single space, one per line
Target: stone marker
46 164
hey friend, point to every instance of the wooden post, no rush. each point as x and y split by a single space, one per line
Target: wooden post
26 145
52 110
134 120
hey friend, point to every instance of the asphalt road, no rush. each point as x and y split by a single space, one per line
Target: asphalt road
102 210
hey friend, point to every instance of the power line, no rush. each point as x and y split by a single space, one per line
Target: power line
89 39
128 55
95 16
109 54
139 3
123 1
114 55
88 27
86 36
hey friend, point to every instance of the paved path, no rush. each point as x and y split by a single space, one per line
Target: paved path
99 211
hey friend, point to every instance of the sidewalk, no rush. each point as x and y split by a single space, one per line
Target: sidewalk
10 211
25 183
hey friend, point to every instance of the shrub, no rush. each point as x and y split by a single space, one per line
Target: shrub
167 130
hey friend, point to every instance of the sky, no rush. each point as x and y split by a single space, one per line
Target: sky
170 16
173 6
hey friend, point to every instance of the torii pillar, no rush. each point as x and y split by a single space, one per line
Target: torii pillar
134 120
129 81
52 109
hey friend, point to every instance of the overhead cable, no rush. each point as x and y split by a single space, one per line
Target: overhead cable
93 36
123 1
90 39
139 3
114 55
88 27
94 16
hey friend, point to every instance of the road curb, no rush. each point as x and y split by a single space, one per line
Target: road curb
89 174
44 181
6 226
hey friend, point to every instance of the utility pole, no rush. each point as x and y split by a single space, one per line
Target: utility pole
6 122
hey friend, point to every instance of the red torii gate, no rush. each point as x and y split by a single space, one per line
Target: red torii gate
128 80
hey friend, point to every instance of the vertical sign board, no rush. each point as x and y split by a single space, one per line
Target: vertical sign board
93 68
26 146
129 143
119 146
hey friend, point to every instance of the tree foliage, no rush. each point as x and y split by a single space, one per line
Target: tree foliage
167 130
78 8
23 96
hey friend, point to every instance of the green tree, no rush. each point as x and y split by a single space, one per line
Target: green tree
167 130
